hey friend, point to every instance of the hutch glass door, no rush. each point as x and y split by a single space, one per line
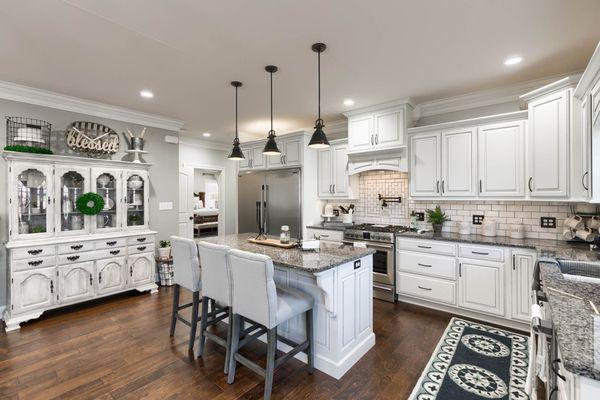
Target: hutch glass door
72 183
107 183
32 202
136 199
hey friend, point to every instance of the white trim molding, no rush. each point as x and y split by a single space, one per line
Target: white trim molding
590 76
488 119
568 81
26 94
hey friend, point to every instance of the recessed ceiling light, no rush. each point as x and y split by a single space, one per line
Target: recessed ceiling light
147 94
206 134
348 102
513 60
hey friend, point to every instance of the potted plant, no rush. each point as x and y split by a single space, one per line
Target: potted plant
134 220
436 218
164 251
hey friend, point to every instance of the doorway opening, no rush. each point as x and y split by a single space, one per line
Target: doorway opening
206 202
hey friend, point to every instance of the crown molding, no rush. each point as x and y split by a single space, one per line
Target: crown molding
26 94
406 102
566 82
488 119
590 76
483 98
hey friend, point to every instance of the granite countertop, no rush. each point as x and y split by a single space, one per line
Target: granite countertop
328 256
574 318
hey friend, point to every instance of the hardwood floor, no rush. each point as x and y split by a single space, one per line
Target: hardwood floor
119 348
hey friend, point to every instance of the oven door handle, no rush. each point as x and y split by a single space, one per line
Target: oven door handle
386 288
380 246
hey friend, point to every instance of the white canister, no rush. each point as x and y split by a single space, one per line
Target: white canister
464 228
347 218
517 231
488 227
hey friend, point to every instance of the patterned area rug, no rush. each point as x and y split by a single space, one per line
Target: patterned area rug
473 362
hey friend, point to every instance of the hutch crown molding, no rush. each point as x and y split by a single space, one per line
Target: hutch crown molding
59 256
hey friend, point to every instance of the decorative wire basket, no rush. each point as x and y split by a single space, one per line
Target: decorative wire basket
28 134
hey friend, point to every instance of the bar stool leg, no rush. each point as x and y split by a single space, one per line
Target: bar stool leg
229 334
310 336
235 339
203 325
270 370
175 306
194 321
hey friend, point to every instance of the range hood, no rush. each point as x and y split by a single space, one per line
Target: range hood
387 160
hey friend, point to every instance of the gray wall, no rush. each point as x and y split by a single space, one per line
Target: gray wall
163 173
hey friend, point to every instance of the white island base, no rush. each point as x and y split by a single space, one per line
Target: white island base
343 314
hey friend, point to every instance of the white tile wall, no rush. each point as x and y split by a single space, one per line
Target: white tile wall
387 183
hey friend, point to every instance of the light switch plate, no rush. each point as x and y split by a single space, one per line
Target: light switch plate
548 222
165 205
478 219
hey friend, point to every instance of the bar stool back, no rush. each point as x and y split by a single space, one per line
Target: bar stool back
256 297
186 273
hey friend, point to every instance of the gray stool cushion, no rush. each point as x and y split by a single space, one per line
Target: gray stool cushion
216 273
291 302
186 264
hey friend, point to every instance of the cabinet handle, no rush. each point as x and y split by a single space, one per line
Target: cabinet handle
480 186
377 138
141 248
111 243
77 247
437 186
35 263
91 280
142 239
99 277
424 288
529 183
424 265
459 270
334 188
73 258
51 286
130 270
115 252
583 181
514 263
34 252
371 140
442 186
423 247
481 253
324 235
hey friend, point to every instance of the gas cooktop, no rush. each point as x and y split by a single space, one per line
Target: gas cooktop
381 228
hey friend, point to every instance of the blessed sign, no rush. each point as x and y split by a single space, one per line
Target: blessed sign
91 137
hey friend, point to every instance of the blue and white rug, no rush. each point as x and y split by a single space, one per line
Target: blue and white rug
474 362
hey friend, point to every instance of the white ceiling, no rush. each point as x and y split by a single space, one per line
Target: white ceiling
187 52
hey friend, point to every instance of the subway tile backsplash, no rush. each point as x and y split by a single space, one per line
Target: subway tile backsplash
393 184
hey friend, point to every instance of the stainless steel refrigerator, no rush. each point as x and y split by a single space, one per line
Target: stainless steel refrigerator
269 199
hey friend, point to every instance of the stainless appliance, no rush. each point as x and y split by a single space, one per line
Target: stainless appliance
269 199
380 238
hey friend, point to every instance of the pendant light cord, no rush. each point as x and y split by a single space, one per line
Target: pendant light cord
236 112
271 102
319 81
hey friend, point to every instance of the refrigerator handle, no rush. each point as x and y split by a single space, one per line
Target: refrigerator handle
266 209
258 215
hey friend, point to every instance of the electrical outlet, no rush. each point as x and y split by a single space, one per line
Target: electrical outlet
420 216
548 222
478 219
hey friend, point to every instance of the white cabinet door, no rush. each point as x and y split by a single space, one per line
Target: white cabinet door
326 173
246 162
107 183
111 275
137 197
360 133
364 300
548 145
523 264
141 269
581 154
258 159
389 129
34 289
71 182
501 149
293 152
458 165
76 282
347 306
481 286
340 170
425 166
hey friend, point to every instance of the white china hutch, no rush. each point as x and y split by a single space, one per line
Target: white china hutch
58 256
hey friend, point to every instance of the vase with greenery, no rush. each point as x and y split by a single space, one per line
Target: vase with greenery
436 218
164 251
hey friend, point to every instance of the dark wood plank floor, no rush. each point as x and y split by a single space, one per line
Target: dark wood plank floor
119 348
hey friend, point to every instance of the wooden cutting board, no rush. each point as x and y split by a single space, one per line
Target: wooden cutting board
272 242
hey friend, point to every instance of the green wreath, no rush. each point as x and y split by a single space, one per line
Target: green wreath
90 203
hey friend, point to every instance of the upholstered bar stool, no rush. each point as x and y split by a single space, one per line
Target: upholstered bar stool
256 297
186 271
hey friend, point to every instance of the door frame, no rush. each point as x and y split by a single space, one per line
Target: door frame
221 182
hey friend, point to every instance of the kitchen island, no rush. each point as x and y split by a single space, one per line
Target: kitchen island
340 278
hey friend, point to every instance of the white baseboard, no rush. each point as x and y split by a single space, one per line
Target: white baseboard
2 308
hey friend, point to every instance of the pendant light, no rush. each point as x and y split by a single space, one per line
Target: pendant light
236 152
271 146
319 139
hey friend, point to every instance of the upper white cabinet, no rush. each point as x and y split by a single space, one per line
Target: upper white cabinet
501 152
458 163
254 157
333 179
379 127
291 147
425 165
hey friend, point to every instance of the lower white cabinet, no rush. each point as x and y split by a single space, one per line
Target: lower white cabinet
76 282
33 289
111 275
141 269
325 235
522 267
427 287
481 286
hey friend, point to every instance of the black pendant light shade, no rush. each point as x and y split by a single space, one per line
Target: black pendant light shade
319 139
271 146
236 152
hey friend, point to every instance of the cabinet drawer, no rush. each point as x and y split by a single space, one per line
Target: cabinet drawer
427 288
427 246
142 239
111 243
64 259
75 247
426 264
142 248
481 252
110 253
326 235
33 263
33 252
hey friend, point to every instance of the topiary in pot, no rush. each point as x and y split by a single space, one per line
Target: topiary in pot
436 218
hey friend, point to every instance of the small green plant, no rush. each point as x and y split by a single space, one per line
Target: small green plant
436 216
38 229
134 219
165 243
28 149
